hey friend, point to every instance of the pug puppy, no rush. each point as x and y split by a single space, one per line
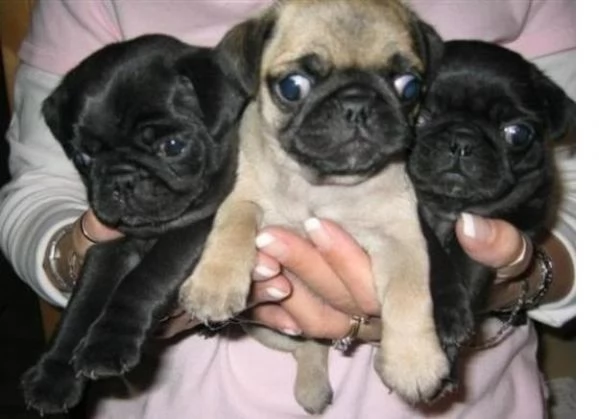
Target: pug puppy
483 146
148 124
326 137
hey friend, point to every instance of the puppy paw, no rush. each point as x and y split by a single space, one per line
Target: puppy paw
51 386
314 395
454 321
217 291
414 367
106 352
455 327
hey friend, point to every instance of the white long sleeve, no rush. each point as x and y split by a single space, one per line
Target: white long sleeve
562 69
45 192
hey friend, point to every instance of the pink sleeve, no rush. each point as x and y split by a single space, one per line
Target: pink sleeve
63 32
532 28
550 28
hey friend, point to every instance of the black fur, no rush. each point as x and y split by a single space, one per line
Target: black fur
150 125
462 162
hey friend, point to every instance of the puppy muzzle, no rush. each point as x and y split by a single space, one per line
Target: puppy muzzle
459 160
354 129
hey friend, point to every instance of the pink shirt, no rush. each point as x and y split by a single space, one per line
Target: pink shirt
221 378
239 378
65 32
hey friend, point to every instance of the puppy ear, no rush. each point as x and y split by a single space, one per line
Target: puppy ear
54 109
429 45
203 81
239 53
559 109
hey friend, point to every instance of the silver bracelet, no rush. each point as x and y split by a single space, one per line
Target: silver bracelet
546 266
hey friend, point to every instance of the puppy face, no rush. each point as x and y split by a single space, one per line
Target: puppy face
484 131
338 92
140 121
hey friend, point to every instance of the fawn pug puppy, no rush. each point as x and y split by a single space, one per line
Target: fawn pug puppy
337 87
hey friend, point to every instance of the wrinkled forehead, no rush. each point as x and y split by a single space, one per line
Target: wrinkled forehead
344 33
484 94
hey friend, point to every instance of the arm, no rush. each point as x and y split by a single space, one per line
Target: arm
45 193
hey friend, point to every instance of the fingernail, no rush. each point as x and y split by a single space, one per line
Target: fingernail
262 272
276 294
291 332
317 234
269 245
475 227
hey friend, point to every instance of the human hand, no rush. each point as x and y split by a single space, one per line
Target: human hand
88 230
336 283
498 244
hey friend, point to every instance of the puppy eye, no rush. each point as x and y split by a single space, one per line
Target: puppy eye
294 87
172 147
408 87
518 135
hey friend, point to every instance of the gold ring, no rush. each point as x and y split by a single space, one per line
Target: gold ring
346 342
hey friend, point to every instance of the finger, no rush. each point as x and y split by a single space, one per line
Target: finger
97 230
300 257
348 260
269 290
314 317
266 267
275 317
492 242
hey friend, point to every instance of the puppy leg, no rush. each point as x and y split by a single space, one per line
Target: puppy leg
312 388
219 285
52 385
114 342
410 360
452 301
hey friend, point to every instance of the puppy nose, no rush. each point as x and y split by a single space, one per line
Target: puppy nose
356 103
460 147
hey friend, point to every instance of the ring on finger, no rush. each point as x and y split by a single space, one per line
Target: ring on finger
346 342
518 266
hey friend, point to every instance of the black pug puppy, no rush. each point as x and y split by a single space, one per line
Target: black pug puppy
149 124
483 146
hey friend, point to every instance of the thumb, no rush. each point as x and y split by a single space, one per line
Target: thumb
492 242
88 230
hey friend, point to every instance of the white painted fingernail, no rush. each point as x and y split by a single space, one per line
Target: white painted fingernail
275 293
263 240
468 225
317 234
291 332
312 224
264 272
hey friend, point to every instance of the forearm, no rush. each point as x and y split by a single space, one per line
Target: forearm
45 192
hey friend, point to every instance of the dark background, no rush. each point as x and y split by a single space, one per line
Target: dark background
21 333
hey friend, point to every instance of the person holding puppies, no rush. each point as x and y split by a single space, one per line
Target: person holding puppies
218 377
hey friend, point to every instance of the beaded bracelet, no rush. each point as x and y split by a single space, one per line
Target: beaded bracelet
517 312
546 266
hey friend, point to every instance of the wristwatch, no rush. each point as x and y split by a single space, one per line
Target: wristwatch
61 263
